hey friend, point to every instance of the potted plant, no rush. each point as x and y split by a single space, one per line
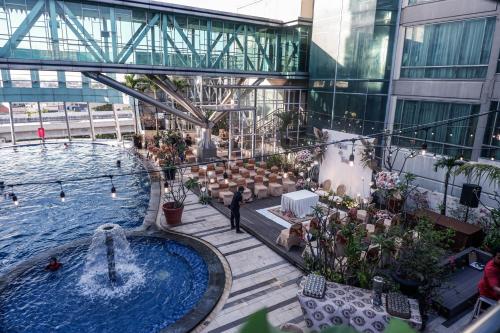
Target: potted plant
449 164
175 195
417 267
174 148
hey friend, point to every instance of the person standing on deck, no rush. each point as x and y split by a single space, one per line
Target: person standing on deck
235 209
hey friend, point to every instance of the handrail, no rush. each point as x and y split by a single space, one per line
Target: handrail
487 323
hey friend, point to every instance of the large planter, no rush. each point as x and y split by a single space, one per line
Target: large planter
169 172
394 205
408 287
172 215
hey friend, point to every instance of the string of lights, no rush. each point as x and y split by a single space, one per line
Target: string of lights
387 133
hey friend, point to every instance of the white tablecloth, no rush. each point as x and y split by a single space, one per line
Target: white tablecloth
300 203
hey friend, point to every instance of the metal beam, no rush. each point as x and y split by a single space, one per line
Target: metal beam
23 29
226 47
136 39
169 88
81 33
143 97
221 115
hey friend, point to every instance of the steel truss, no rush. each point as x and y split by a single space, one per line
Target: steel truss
65 33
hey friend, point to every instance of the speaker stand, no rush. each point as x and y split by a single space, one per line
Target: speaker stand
467 214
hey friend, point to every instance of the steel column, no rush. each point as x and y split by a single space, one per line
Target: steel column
91 120
117 123
67 121
40 118
12 131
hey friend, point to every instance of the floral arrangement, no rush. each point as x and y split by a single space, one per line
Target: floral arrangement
387 180
341 201
304 157
300 184
383 214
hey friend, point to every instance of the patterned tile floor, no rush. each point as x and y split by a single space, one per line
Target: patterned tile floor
261 278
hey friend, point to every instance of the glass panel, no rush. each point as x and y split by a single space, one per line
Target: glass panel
451 139
53 117
73 80
20 78
48 79
491 142
26 120
78 116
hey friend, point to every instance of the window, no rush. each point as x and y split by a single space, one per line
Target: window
452 50
48 79
20 78
452 139
73 80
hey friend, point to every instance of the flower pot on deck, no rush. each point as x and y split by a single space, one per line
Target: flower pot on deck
169 172
407 286
172 215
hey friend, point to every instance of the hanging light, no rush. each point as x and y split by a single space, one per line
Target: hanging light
203 189
434 156
461 158
225 175
351 160
285 175
166 187
308 180
424 149
424 145
62 195
316 163
113 189
118 164
351 157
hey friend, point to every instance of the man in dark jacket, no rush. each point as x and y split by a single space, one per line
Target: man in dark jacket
235 209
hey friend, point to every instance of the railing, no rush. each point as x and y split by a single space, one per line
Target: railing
487 323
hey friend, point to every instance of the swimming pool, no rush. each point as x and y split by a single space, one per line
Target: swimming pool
42 221
176 277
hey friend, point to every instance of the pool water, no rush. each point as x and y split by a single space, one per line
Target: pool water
176 278
42 221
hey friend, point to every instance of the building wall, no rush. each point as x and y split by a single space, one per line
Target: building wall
350 64
447 55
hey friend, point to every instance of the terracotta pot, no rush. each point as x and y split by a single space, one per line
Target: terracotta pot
172 215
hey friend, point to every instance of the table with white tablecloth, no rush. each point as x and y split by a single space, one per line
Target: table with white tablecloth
300 203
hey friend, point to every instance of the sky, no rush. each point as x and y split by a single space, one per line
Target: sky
263 8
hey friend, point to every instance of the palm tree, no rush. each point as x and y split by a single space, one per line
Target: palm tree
134 82
143 83
447 163
286 118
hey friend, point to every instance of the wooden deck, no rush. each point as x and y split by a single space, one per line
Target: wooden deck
263 228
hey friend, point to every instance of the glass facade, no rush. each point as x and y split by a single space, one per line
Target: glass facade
451 50
350 64
453 139
491 142
91 32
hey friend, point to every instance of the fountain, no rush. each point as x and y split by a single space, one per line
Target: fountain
110 267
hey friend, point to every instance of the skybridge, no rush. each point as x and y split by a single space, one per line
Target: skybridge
142 36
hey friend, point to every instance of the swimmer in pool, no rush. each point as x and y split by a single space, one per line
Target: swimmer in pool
53 265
